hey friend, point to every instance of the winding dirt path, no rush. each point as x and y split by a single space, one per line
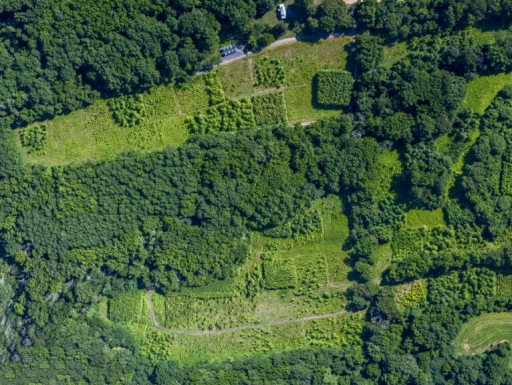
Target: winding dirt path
231 330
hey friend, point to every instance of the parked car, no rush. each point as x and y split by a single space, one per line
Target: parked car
282 11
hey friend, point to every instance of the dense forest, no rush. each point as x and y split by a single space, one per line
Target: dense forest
183 217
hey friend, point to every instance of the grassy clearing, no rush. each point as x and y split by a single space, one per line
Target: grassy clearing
236 78
481 332
301 106
481 37
93 133
302 60
419 218
481 91
410 295
271 19
389 167
335 331
393 53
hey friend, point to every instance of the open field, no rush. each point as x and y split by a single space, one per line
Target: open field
481 332
419 218
163 113
481 91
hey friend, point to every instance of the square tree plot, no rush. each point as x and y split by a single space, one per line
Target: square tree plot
333 88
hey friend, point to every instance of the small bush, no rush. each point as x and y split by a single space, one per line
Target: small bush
334 88
34 138
128 111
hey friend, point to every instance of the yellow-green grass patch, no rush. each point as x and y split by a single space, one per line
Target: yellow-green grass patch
236 78
477 335
388 166
481 37
335 331
302 60
300 105
481 91
419 218
393 53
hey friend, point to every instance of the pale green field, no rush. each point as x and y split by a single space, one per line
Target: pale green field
92 133
394 53
480 332
481 91
419 218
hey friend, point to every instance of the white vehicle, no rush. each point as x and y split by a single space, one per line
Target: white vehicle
282 11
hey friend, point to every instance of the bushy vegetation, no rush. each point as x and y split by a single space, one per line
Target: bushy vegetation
105 48
269 72
334 88
269 108
128 111
233 115
33 138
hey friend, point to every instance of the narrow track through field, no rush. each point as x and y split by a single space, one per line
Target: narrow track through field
232 330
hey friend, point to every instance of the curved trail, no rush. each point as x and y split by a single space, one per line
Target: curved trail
231 330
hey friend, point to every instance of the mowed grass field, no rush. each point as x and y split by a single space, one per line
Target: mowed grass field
92 133
419 218
480 332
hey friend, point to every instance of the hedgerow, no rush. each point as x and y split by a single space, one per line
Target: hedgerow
334 88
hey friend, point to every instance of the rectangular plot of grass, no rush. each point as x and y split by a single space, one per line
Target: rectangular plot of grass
180 312
418 218
338 270
269 108
504 285
300 105
311 271
161 102
193 96
236 78
144 136
279 274
174 131
410 295
126 306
